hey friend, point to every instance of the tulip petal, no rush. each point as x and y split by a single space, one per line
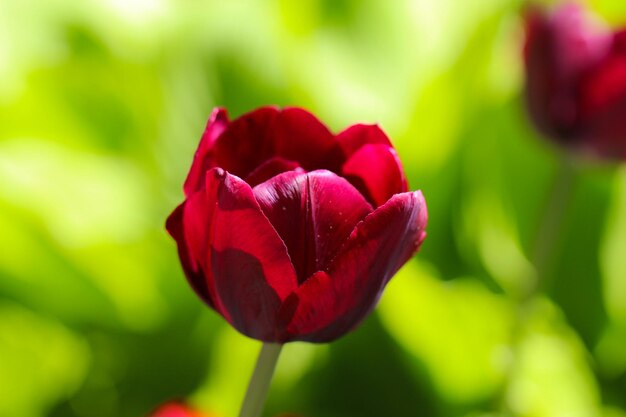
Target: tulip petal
248 142
357 136
301 137
202 160
376 171
271 168
291 134
314 213
175 410
559 50
579 41
251 269
603 94
193 271
332 302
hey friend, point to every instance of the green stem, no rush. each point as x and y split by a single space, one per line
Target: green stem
260 382
551 225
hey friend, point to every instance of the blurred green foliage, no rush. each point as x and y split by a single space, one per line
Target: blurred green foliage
102 103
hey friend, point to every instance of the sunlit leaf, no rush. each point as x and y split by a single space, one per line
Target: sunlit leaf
459 330
41 362
551 376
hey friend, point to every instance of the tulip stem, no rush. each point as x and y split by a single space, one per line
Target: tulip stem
551 222
550 225
260 382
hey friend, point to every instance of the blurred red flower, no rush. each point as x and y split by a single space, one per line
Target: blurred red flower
291 232
176 410
576 80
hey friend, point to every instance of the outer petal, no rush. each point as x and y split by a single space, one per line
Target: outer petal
550 100
560 49
580 41
203 160
377 172
250 267
606 133
603 96
333 302
605 86
193 271
198 227
359 135
314 213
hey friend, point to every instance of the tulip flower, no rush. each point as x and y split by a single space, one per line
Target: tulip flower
176 410
576 80
290 232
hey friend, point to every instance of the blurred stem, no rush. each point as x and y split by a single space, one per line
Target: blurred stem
551 224
549 228
260 382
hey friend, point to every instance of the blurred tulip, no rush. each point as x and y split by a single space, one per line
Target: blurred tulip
576 80
290 232
177 410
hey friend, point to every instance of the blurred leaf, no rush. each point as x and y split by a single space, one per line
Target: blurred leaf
611 10
41 362
551 376
459 330
82 200
577 275
610 351
613 251
355 380
613 412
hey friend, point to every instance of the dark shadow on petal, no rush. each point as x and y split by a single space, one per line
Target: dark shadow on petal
251 303
270 169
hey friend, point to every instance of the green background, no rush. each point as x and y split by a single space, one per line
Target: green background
102 104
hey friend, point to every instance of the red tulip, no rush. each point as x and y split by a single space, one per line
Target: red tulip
290 232
576 80
176 410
